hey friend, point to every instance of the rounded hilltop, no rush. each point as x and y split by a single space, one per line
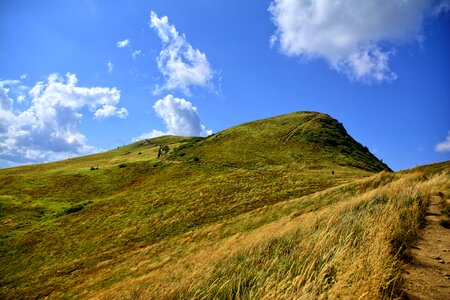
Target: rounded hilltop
310 138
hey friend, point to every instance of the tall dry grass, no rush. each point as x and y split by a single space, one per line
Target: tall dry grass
352 250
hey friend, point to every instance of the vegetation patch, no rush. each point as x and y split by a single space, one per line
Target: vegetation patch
73 208
182 150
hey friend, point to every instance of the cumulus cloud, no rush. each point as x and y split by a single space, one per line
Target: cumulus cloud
180 118
445 145
110 66
351 35
49 128
181 64
124 43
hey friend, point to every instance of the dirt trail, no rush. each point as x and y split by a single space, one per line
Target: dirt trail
427 276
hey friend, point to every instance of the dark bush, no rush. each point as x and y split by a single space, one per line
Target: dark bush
70 210
182 150
165 149
74 208
122 165
445 223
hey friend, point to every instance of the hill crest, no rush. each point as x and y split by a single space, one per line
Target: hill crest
311 138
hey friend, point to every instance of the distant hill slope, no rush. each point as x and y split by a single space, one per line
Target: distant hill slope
73 227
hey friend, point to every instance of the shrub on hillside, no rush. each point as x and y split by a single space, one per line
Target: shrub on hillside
185 148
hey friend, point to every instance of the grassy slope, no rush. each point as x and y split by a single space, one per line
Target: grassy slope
68 230
307 139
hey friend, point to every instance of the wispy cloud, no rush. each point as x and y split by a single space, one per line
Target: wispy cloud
49 128
351 35
136 53
444 146
181 64
10 89
110 66
124 43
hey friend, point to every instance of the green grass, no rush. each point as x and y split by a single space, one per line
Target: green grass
69 230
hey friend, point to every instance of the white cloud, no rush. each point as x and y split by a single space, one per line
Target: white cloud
124 43
136 53
6 102
273 39
13 87
109 110
351 35
49 128
23 76
149 135
110 66
180 117
445 145
369 64
181 64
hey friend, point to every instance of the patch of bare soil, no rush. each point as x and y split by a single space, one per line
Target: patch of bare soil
427 276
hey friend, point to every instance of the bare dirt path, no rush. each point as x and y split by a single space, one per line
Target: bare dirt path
427 276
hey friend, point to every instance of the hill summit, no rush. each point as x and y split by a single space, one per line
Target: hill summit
312 139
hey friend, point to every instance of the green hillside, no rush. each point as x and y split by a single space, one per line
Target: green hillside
308 139
206 219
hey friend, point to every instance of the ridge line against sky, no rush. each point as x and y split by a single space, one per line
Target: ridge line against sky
349 59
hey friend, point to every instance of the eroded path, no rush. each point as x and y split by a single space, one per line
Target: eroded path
428 275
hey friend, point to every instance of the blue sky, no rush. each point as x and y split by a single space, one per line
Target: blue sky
78 77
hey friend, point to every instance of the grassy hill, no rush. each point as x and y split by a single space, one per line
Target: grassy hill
290 205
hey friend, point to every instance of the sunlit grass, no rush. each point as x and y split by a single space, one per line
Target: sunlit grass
249 212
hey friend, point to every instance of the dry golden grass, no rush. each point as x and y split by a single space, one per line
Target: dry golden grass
351 248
